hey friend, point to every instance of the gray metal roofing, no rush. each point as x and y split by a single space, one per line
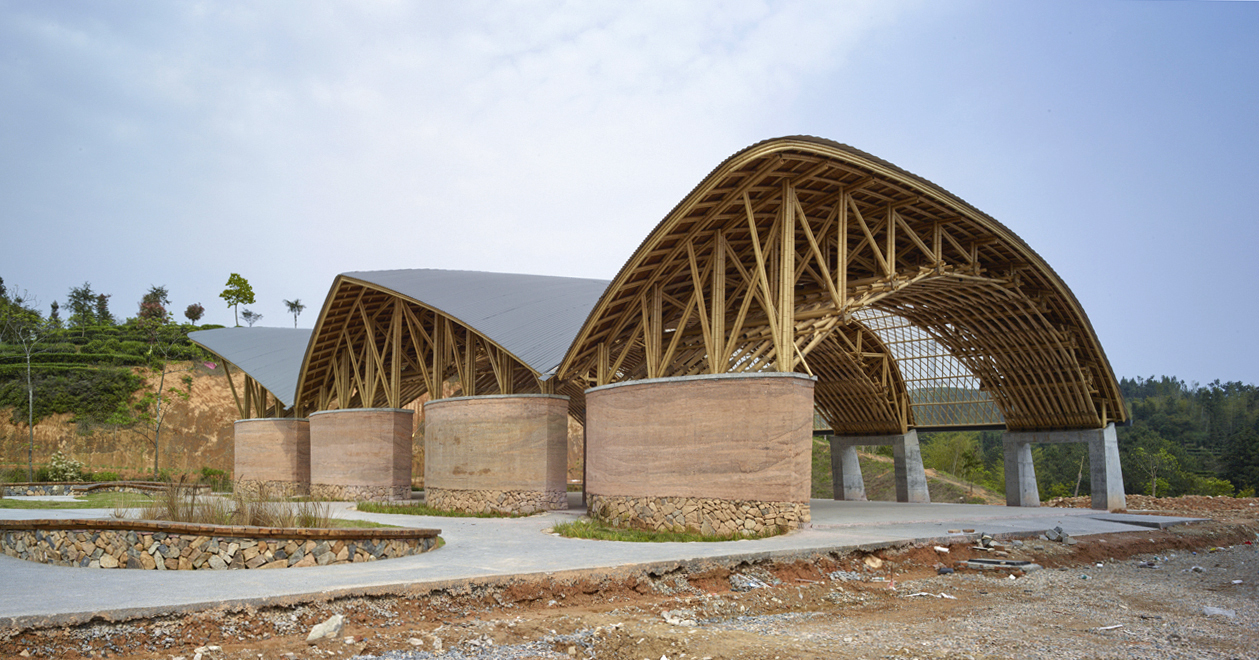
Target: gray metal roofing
535 317
271 356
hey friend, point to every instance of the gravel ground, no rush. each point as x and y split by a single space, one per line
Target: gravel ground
1147 606
1162 594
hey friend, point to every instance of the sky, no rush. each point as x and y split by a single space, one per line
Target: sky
173 143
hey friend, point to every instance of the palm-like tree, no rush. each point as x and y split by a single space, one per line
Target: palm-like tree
295 308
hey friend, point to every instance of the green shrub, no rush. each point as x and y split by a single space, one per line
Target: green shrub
217 480
103 475
91 394
1212 486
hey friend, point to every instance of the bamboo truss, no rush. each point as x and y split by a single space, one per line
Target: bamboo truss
253 401
912 308
374 348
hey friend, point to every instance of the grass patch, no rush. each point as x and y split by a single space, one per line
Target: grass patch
426 510
591 529
107 500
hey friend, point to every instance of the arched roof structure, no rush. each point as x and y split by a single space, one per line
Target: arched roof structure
384 338
911 307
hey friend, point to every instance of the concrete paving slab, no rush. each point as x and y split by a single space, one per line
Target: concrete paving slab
493 550
1146 520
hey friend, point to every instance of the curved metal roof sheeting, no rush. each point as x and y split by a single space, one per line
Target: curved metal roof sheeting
271 356
534 317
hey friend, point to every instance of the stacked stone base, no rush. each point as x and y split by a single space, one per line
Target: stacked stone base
339 493
190 552
708 516
266 489
495 501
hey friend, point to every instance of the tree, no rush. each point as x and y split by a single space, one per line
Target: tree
238 292
1151 462
153 304
156 294
194 312
103 315
251 317
23 327
54 314
82 304
295 308
1242 460
151 409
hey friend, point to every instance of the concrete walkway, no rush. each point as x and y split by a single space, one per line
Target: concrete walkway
488 550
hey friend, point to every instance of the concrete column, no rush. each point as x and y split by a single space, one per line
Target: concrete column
1105 474
846 472
911 478
1020 473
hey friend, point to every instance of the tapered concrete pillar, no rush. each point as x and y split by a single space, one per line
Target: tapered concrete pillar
1105 472
911 478
846 476
1020 474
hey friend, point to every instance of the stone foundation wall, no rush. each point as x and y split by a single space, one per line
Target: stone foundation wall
341 493
708 516
265 489
495 501
146 549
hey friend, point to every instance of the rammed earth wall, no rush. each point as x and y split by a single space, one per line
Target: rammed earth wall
179 546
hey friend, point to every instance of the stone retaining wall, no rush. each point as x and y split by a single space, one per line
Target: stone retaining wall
179 546
708 516
495 501
339 493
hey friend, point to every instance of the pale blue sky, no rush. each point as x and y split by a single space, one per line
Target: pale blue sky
173 143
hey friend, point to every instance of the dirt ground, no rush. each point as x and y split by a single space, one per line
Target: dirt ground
1188 591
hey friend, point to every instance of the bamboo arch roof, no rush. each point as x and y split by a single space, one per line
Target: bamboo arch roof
384 338
912 307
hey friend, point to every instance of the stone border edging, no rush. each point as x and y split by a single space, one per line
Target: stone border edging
158 526
158 545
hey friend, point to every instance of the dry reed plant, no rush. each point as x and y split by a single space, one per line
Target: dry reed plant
180 502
